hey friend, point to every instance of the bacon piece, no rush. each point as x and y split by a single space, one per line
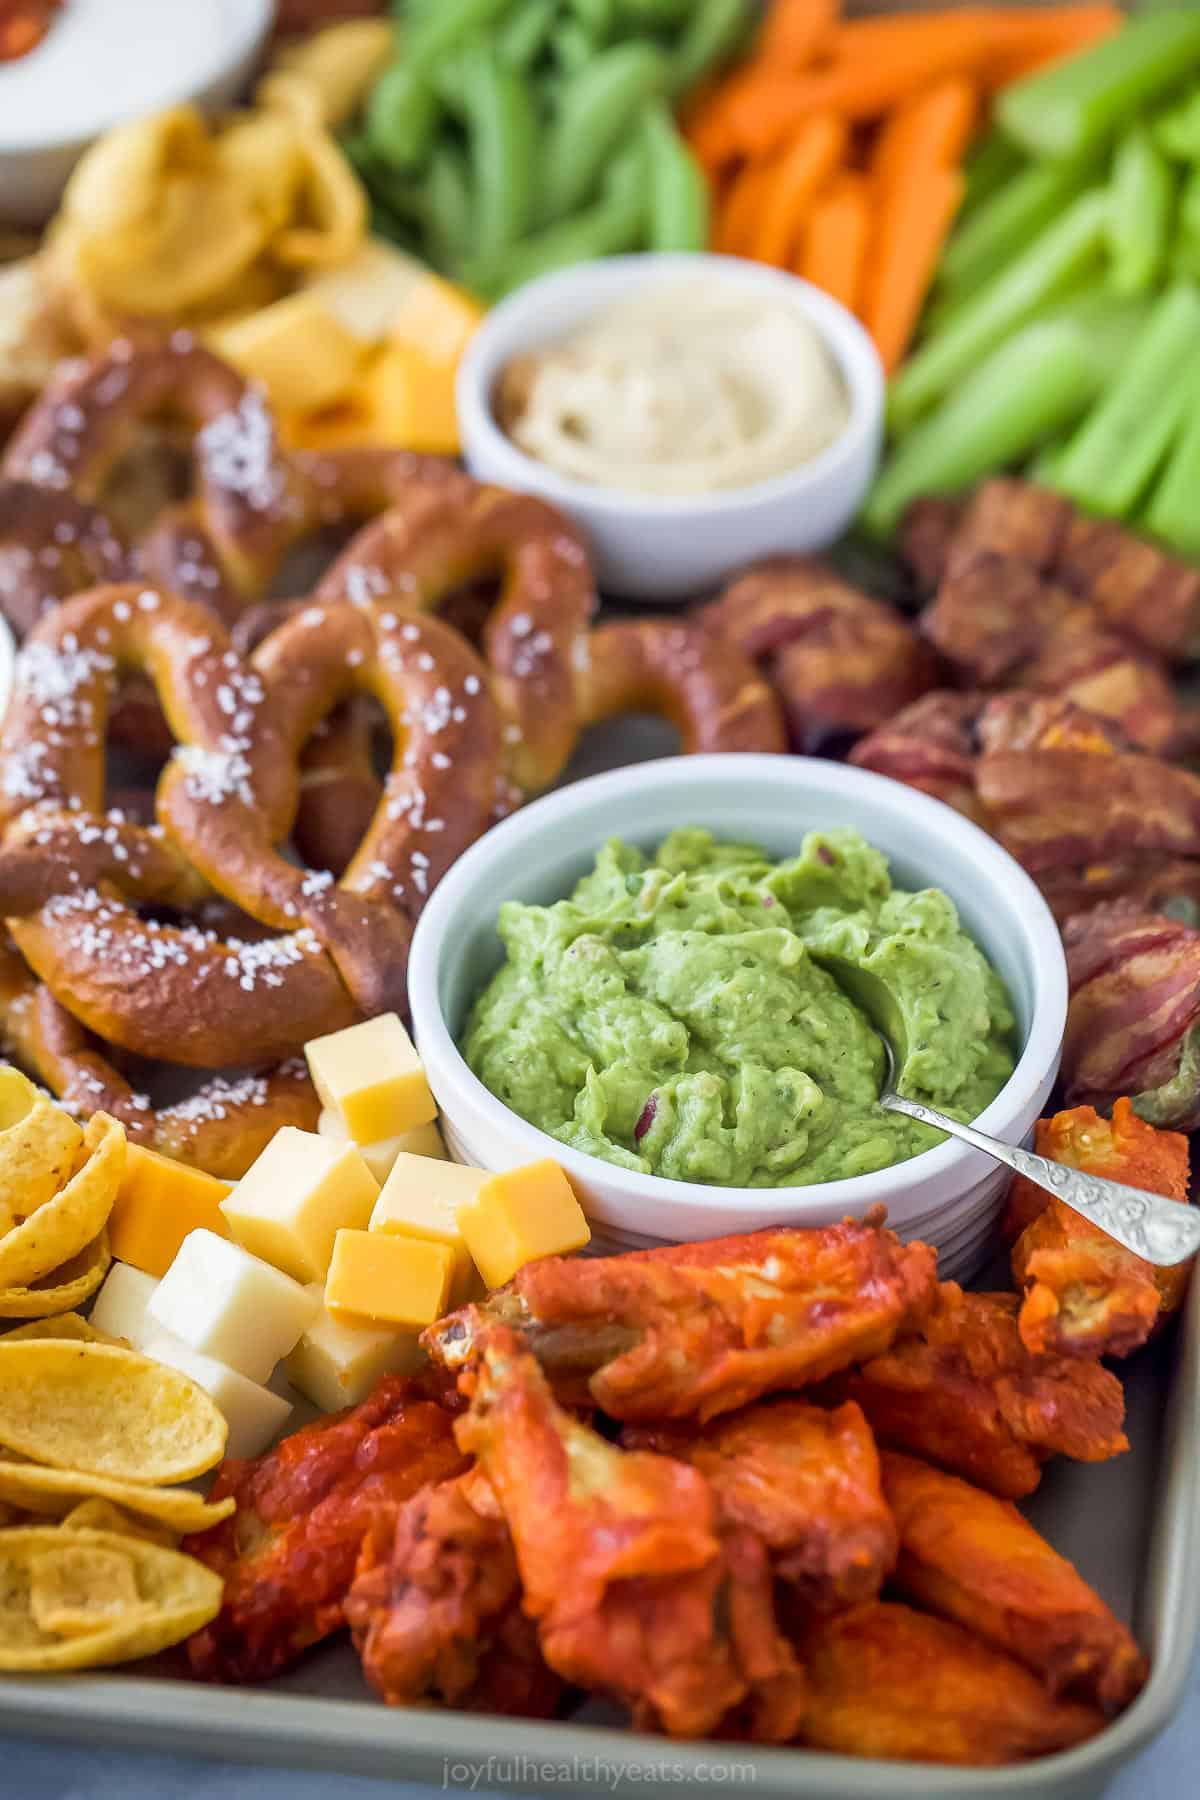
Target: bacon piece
1016 520
840 661
930 745
1138 588
1134 1016
926 533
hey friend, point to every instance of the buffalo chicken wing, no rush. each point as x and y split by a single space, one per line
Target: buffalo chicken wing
635 1591
1085 1294
692 1330
805 1482
964 1391
889 1682
287 1555
973 1558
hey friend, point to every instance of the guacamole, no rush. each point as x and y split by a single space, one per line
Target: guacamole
691 1014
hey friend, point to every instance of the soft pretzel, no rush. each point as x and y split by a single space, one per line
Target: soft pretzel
712 694
51 545
253 500
222 1127
226 799
841 662
535 640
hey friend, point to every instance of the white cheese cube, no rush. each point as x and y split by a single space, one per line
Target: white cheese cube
230 1305
294 1199
422 1140
254 1414
337 1365
120 1306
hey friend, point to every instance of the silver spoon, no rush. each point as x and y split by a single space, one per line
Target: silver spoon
1162 1231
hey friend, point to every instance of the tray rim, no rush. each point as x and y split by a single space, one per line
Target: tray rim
251 1725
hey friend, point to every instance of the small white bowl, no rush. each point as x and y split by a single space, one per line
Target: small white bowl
663 547
948 1195
35 163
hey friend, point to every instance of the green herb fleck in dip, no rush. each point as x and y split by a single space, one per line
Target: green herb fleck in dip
691 1015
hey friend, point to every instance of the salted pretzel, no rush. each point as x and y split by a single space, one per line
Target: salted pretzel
228 796
441 536
222 1127
51 545
253 500
712 694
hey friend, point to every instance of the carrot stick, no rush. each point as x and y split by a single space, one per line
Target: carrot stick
737 213
794 30
1044 38
835 245
920 213
934 128
1007 28
798 177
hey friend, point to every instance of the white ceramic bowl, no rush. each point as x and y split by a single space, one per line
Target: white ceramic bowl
661 547
949 1195
35 161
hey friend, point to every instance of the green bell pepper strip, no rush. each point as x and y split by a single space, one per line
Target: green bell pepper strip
447 25
598 107
1116 452
1036 385
1177 129
1047 267
615 222
1140 213
1001 227
988 169
1174 510
1079 101
678 189
401 116
521 39
714 30
497 111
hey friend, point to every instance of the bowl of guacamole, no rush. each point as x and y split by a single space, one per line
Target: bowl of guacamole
696 1011
670 979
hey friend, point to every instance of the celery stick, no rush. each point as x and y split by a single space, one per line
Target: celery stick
1048 266
1116 451
1043 468
1174 510
1177 130
1033 387
1077 102
989 168
1002 227
1139 218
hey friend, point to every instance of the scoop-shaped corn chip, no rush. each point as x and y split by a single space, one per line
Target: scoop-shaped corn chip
62 1225
62 1289
106 1411
66 1325
39 1143
87 1599
102 1515
57 1492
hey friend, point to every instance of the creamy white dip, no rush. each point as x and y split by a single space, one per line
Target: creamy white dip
108 60
688 389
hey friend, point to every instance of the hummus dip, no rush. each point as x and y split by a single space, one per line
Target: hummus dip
686 390
683 1016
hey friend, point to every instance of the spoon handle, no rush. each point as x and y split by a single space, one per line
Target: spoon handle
1164 1232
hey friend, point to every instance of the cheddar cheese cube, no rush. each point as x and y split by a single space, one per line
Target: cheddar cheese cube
297 348
295 1197
255 1416
518 1216
120 1306
420 1199
371 1077
422 1140
231 1306
378 1279
337 1365
158 1202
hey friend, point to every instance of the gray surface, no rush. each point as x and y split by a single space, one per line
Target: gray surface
41 1771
